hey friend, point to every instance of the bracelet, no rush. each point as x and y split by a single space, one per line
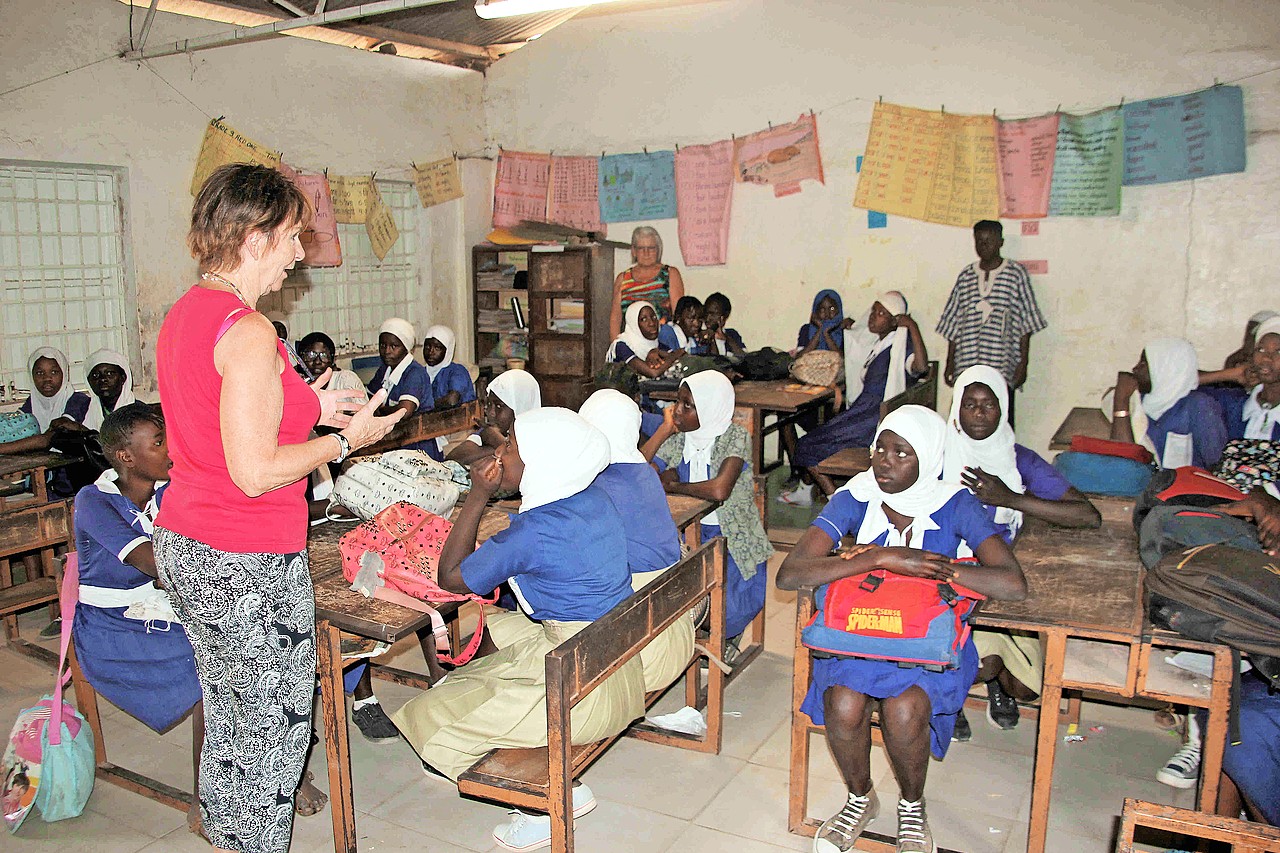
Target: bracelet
1122 413
344 447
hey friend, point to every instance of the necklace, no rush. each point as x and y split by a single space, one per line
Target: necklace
213 276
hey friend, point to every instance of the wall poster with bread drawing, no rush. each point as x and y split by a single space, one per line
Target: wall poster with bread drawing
782 156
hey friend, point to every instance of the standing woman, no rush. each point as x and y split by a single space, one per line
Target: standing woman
231 537
648 279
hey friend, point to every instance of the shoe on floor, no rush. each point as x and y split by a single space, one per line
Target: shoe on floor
801 495
840 832
1183 769
962 732
374 723
52 631
1002 710
913 828
533 832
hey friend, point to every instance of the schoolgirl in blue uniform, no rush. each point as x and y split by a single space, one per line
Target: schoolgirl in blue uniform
407 383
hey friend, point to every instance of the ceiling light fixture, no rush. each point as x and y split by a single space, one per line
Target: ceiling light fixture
509 8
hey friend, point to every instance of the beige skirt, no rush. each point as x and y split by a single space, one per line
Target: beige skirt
668 654
1023 654
500 701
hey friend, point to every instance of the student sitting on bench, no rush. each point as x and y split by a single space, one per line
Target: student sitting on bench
511 393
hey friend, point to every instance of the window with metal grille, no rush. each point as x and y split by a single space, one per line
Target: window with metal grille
64 265
349 303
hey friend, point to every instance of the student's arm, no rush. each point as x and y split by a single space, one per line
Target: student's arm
734 343
716 489
660 435
449 401
949 373
1121 422
143 558
920 360
653 371
468 452
1020 372
486 475
1235 375
32 444
810 344
1071 510
1264 511
615 307
810 562
997 574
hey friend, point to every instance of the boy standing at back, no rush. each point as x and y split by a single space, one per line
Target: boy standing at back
992 313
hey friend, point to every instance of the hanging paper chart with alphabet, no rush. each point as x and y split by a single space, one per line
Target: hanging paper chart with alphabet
1184 137
1087 165
354 198
704 197
320 238
1025 150
781 156
638 187
929 165
437 182
575 193
520 188
223 145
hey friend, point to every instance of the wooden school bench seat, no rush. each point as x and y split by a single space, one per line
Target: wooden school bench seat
40 528
542 779
421 426
1241 835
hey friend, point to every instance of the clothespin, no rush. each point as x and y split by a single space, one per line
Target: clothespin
677 147
602 154
1216 82
771 125
1059 109
734 137
944 109
993 112
882 99
414 165
219 118
1122 100
326 172
646 151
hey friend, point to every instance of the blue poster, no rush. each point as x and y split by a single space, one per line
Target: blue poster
1184 137
636 187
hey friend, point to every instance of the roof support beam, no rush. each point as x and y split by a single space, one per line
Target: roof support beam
320 6
290 8
146 24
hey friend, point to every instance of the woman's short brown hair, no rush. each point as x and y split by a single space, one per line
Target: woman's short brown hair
235 201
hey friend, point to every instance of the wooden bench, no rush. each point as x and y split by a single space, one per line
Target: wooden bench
421 426
1242 836
923 393
41 528
542 779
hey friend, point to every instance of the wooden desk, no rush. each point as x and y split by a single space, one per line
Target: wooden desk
1080 421
846 463
33 465
42 528
421 426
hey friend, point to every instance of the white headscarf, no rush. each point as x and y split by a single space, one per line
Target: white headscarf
1262 317
93 420
631 334
1259 422
562 455
993 454
714 398
924 430
1173 366
861 346
48 409
444 335
403 330
618 417
518 389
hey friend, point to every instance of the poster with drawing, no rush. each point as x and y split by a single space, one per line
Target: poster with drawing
780 156
320 238
223 145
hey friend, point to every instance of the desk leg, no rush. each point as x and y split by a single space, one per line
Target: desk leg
1215 732
333 708
1046 741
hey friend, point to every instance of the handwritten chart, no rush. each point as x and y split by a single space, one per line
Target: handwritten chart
575 193
704 196
1184 137
782 156
437 182
1025 150
223 145
381 227
638 186
320 239
1087 165
354 198
520 188
929 165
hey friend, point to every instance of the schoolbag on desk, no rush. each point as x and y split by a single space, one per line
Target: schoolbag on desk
1178 510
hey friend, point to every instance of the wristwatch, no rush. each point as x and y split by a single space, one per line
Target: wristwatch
344 447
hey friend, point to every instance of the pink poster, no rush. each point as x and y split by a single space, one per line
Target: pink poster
782 156
575 193
520 188
704 195
1025 151
320 239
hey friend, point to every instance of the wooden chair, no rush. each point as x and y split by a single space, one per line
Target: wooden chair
923 393
1242 836
542 779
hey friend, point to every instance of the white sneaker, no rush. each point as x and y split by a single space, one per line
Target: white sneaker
1182 770
801 495
533 832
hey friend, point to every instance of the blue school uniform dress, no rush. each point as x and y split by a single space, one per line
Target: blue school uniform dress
1254 763
415 385
1199 416
835 326
621 353
146 669
77 408
722 347
453 377
669 340
961 519
653 543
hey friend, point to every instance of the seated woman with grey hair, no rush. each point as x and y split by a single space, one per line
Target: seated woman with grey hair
648 279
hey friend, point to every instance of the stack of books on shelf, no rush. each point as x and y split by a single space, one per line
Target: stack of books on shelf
496 277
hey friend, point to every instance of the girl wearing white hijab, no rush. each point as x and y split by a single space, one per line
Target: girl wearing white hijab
112 387
451 384
1251 335
699 451
407 383
567 554
638 346
884 354
1261 416
1186 426
510 394
908 522
52 397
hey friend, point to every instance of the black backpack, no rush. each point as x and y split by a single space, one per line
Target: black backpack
765 364
1176 511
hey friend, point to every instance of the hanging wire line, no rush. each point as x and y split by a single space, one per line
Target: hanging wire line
56 76
176 90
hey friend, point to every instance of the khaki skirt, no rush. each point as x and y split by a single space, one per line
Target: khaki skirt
668 654
1023 654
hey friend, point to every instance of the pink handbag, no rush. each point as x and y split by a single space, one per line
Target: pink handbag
405 542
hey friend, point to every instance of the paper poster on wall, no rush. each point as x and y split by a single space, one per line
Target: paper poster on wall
437 182
704 197
1184 137
929 165
781 156
381 228
320 238
1087 165
638 187
354 198
575 193
520 188
1025 149
223 145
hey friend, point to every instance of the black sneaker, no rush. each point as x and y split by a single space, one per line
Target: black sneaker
52 631
962 732
1002 710
374 724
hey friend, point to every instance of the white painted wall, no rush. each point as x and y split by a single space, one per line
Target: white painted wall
1188 259
322 105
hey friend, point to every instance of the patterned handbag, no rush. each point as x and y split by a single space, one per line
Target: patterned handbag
395 556
370 486
1247 463
819 367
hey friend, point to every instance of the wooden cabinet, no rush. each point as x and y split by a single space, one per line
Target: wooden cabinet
565 308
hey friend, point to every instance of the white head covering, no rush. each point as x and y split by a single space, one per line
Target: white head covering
924 430
47 409
631 334
618 417
518 389
1263 316
993 454
861 346
403 330
562 455
1173 366
93 420
1258 421
713 397
444 335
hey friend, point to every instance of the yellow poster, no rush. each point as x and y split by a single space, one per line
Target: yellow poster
930 165
438 182
354 198
381 228
223 145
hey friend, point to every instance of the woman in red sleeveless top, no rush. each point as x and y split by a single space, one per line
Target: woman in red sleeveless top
231 538
648 279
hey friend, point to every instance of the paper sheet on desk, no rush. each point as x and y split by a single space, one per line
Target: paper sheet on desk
1200 663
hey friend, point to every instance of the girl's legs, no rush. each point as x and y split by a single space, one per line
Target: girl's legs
848 720
904 724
